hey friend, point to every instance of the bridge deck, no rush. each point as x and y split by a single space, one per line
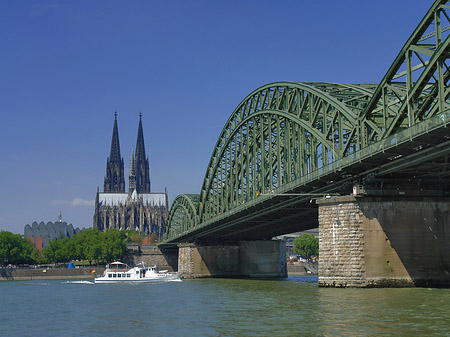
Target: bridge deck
417 163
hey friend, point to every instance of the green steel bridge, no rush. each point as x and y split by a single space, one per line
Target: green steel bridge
288 143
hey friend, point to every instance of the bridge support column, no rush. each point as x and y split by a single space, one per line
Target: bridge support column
247 259
384 242
151 254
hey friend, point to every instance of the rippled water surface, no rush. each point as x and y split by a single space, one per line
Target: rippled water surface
219 307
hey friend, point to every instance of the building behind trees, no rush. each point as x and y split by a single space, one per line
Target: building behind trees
40 234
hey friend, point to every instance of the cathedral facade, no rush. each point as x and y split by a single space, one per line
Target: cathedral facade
139 209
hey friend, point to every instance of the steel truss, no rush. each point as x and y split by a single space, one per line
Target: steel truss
288 134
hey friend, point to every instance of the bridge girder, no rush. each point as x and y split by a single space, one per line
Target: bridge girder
278 133
182 215
415 87
286 135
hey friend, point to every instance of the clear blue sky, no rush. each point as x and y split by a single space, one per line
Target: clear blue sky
66 66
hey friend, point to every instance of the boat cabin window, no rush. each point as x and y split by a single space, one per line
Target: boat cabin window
128 275
114 275
119 275
109 275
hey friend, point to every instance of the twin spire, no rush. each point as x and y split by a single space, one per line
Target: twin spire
139 178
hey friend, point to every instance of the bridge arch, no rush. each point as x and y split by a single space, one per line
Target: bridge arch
285 135
183 214
279 132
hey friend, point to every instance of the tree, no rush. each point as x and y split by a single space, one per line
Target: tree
37 256
89 244
60 250
133 236
113 244
154 238
14 249
306 245
92 248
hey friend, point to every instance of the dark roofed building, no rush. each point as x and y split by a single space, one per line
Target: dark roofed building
40 234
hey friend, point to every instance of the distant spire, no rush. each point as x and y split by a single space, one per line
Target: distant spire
140 147
167 197
97 220
114 180
132 176
141 162
132 163
115 146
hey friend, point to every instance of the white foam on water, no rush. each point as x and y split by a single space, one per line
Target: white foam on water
79 282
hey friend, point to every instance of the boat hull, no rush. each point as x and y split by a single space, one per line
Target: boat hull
118 272
165 278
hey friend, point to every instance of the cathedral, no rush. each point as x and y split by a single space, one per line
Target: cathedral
139 209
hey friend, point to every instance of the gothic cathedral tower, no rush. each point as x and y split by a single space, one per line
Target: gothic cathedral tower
114 179
141 163
138 210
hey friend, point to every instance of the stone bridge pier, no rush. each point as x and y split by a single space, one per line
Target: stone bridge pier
384 241
246 259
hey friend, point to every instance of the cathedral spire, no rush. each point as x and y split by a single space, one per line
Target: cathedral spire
132 177
141 162
114 179
140 147
115 146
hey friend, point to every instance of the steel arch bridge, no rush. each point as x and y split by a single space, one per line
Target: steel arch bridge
287 142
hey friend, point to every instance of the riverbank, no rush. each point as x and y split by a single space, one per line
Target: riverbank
26 274
302 268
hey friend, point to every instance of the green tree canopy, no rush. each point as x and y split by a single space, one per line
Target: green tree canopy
60 250
89 244
306 245
14 249
113 245
133 236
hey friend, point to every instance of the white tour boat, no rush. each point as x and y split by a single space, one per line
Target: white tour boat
118 272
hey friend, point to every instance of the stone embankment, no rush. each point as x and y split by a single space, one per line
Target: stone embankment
147 253
26 274
302 268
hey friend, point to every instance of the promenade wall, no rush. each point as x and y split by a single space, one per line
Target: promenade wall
302 268
147 253
27 274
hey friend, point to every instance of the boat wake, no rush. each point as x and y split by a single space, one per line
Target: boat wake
78 282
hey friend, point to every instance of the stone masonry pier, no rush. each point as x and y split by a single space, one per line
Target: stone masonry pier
247 259
384 241
151 255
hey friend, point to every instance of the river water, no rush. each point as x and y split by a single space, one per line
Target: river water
219 307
